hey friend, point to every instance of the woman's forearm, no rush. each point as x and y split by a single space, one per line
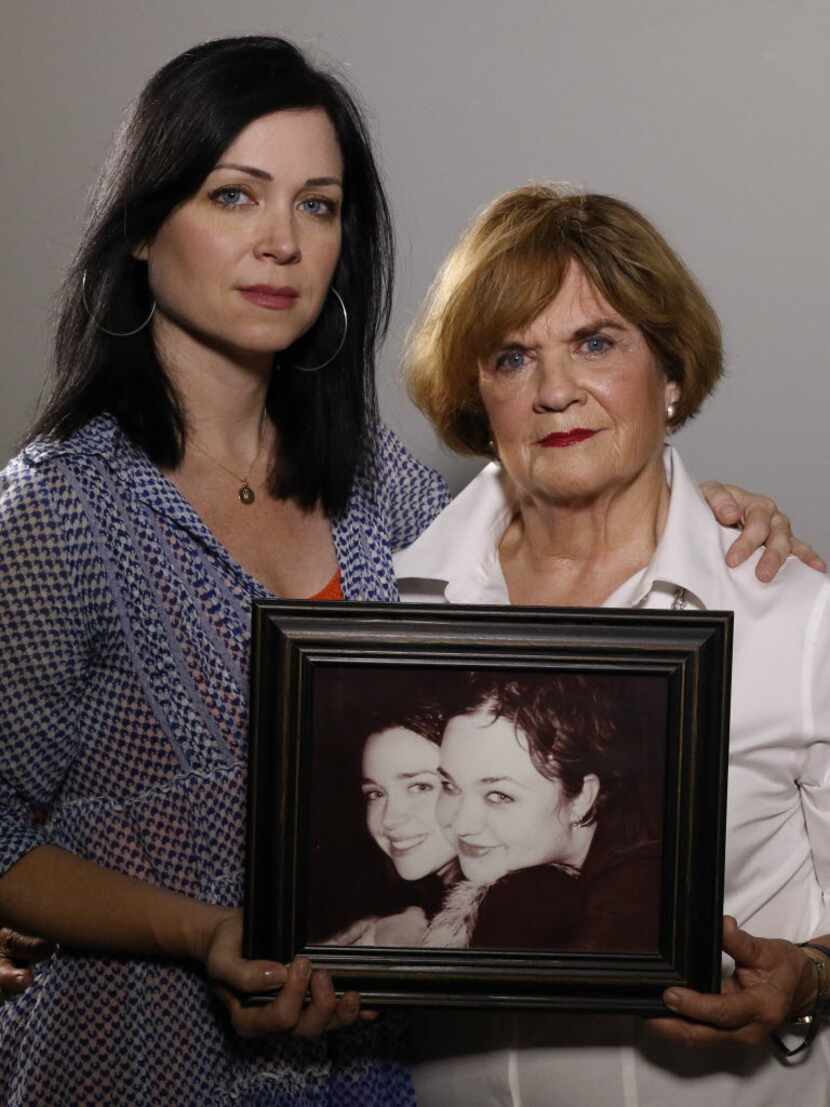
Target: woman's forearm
65 898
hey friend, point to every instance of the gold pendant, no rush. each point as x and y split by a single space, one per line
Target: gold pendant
246 494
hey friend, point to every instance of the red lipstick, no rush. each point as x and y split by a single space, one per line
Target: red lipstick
567 438
276 299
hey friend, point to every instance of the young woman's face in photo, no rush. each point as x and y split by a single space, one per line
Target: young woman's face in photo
401 786
243 265
496 809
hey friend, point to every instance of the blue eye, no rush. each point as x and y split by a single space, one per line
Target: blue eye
597 344
511 359
230 196
319 205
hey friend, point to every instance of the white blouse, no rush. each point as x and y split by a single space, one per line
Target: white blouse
778 823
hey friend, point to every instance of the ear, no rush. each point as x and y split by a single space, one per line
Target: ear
582 804
141 252
672 392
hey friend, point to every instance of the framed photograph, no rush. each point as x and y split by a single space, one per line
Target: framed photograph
489 806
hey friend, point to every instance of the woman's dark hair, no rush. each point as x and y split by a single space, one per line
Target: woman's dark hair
425 718
570 725
187 115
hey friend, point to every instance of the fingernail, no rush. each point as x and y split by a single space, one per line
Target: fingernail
326 981
671 1000
303 967
273 976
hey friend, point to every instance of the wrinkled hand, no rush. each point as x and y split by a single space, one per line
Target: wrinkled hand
17 953
305 1004
761 524
773 981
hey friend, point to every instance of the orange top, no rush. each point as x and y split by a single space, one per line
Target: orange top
332 591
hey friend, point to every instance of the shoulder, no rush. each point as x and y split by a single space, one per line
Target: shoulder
101 437
692 553
796 599
622 899
397 467
536 907
620 867
38 463
34 482
51 557
466 531
409 494
45 490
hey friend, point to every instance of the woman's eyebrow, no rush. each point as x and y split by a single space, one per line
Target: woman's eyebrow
402 776
500 780
514 344
599 325
264 175
251 170
321 182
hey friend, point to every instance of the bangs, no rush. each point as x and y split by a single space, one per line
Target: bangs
500 284
506 295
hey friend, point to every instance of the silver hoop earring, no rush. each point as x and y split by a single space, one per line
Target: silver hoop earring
328 361
103 329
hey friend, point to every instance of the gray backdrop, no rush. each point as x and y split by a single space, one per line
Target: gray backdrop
711 116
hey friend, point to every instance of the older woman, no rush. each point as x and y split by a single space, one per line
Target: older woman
542 804
565 339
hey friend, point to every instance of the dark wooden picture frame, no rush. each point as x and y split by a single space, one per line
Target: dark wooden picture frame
317 667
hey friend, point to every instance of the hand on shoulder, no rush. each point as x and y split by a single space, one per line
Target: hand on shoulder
761 524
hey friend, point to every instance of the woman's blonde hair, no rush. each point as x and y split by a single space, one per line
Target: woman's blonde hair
510 264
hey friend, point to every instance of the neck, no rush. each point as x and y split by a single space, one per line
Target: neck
223 394
580 551
583 837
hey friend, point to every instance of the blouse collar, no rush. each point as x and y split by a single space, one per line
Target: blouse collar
460 549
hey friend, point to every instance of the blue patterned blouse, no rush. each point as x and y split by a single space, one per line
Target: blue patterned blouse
124 634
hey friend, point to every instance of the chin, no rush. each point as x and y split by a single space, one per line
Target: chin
562 479
412 871
416 868
481 874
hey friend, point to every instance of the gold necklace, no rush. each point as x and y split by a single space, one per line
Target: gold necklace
246 493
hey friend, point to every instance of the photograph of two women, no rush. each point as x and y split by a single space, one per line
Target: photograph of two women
486 809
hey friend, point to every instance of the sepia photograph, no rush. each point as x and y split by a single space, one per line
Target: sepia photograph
489 806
